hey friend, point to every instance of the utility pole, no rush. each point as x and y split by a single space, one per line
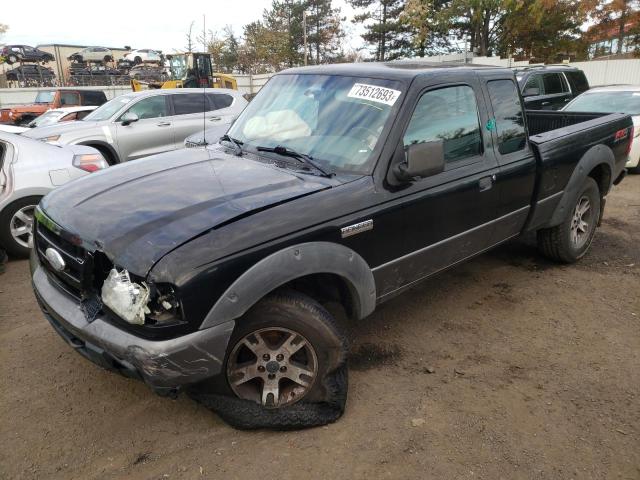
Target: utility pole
304 29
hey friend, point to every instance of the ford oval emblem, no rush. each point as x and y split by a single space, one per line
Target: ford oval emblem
55 259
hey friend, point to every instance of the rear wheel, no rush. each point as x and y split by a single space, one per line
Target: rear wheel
285 367
16 226
569 241
137 60
11 59
635 170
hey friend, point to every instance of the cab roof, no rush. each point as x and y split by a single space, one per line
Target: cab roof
395 70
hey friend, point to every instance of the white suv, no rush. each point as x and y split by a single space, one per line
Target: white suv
143 55
92 54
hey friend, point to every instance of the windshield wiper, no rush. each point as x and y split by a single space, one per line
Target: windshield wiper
236 143
301 157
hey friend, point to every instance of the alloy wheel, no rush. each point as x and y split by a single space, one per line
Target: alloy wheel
581 222
272 366
21 225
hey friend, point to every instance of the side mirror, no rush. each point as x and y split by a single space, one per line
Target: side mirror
422 160
128 118
531 92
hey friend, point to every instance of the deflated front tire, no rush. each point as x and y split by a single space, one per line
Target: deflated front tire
285 367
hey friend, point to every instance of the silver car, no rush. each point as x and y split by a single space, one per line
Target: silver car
144 123
28 171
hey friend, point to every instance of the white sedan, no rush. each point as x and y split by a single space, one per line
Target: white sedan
29 169
143 55
50 117
619 98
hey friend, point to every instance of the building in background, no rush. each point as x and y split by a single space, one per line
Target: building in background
604 40
61 52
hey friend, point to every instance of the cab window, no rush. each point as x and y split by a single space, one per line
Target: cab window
450 115
509 119
151 107
69 98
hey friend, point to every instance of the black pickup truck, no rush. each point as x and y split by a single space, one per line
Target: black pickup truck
210 269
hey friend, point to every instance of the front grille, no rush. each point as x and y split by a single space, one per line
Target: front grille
73 279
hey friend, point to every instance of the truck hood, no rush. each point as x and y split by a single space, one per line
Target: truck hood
61 129
139 211
34 107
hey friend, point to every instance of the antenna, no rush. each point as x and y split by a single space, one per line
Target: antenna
204 84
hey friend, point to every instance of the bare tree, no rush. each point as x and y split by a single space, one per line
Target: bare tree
189 47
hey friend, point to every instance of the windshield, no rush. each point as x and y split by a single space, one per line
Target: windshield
47 118
607 102
107 110
45 97
336 120
178 66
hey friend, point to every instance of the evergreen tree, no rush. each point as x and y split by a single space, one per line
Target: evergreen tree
324 30
388 35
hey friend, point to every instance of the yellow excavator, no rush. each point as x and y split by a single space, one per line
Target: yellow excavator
189 70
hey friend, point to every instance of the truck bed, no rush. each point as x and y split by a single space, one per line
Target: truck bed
561 139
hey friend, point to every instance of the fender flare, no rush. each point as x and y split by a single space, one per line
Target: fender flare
595 156
102 144
288 264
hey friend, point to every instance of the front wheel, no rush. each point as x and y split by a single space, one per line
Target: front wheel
285 366
569 241
11 59
16 226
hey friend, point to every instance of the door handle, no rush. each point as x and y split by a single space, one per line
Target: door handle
546 103
215 119
485 183
163 124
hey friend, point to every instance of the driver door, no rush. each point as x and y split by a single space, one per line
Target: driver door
152 133
448 216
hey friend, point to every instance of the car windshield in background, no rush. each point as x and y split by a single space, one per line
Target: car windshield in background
47 118
107 110
336 120
45 97
607 102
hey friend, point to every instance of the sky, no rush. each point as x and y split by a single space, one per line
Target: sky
161 25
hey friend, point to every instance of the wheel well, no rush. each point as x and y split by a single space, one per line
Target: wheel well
602 175
328 289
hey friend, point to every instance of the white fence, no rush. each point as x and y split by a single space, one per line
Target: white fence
598 72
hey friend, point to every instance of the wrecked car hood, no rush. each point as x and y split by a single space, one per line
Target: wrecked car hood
139 211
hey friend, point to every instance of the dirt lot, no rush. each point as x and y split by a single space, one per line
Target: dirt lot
536 375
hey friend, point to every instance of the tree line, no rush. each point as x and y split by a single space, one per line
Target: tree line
539 30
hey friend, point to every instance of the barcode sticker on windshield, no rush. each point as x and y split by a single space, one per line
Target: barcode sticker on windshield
387 96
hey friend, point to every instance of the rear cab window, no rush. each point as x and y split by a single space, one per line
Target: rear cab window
508 116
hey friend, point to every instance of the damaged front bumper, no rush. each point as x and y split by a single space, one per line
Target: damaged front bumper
165 365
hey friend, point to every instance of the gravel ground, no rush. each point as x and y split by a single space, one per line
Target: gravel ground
506 367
